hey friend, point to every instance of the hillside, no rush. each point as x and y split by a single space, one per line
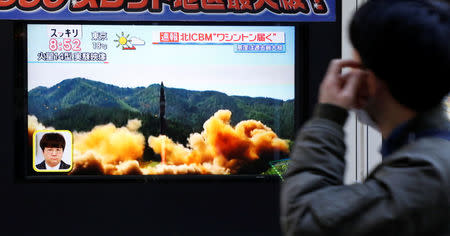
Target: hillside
185 107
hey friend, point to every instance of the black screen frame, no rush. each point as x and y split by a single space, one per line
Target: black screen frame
305 98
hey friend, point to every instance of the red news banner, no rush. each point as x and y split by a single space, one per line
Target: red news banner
218 37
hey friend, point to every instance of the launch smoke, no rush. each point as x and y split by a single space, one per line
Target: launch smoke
219 149
109 150
33 125
220 145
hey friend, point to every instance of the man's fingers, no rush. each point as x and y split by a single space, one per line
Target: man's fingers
342 89
336 66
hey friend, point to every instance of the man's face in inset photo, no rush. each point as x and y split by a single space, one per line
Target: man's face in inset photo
53 155
52 145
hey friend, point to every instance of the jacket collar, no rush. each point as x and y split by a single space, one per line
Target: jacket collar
424 123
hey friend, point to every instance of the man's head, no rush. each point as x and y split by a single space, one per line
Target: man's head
405 44
52 145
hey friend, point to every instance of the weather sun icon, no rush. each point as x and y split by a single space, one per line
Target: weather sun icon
128 43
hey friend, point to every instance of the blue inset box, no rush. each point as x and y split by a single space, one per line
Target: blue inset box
260 48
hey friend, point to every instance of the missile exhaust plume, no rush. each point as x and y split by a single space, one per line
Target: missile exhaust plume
33 125
221 145
109 150
219 149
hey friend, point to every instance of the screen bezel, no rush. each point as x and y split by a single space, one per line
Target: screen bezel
23 172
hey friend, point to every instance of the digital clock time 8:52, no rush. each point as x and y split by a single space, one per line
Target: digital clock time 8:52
66 45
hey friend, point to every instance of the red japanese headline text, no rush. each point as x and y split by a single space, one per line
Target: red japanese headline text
218 37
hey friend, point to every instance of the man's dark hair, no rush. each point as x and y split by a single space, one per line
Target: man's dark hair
52 140
406 43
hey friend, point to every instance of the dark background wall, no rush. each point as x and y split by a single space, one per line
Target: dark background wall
166 208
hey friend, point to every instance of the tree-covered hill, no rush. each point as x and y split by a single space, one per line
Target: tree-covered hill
185 107
45 102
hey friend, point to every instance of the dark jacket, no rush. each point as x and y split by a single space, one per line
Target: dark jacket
63 166
407 194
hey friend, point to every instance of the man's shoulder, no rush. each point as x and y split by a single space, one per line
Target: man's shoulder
41 166
419 171
63 165
429 151
427 148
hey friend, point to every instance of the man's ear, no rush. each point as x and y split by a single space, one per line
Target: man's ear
373 84
370 87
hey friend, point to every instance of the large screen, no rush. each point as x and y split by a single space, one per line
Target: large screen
159 99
